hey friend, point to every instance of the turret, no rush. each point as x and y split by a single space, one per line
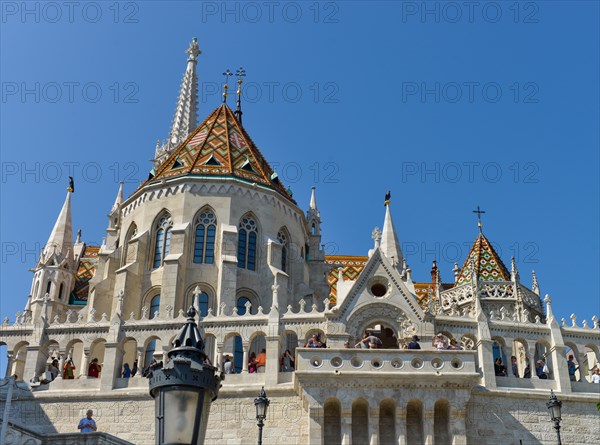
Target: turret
313 218
54 274
390 246
114 221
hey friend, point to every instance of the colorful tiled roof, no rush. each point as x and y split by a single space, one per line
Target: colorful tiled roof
351 266
85 272
488 265
219 147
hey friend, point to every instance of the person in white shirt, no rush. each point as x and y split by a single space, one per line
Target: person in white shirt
228 366
596 376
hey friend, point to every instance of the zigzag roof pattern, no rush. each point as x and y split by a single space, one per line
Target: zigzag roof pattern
488 264
219 147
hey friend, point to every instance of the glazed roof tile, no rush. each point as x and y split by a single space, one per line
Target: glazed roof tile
488 264
221 147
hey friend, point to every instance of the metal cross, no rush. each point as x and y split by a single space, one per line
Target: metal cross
227 75
479 212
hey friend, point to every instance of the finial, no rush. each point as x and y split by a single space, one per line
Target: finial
535 287
388 196
71 187
456 272
479 212
193 50
227 75
78 240
240 74
514 272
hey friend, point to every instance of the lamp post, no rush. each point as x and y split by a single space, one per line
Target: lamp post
261 403
184 388
554 406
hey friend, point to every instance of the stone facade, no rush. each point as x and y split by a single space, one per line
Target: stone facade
214 228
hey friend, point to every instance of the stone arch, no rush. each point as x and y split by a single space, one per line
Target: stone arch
75 351
129 355
441 422
251 296
592 359
147 301
332 422
384 313
284 238
521 352
360 421
499 350
321 336
387 422
160 238
248 242
151 345
128 250
543 352
289 340
19 358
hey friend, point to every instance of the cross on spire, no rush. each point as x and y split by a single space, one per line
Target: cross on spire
479 212
240 74
227 75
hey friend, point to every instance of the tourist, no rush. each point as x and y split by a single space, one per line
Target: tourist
514 367
87 424
68 369
347 344
228 365
439 342
53 368
572 368
313 342
414 343
287 361
596 376
126 371
94 369
499 368
454 346
527 372
369 341
135 369
252 363
539 369
261 361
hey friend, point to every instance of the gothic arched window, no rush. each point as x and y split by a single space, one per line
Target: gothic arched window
282 238
154 306
247 238
162 240
204 243
128 251
60 291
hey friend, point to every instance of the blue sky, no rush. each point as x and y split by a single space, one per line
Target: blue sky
448 108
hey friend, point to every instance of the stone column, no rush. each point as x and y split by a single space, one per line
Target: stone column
346 426
581 359
272 367
458 424
31 363
219 363
485 358
508 364
245 347
532 362
140 353
85 362
401 421
560 370
315 425
374 426
61 364
10 357
428 419
112 366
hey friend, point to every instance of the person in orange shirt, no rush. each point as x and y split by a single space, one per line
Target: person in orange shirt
261 361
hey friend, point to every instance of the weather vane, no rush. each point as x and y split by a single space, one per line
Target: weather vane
227 75
479 212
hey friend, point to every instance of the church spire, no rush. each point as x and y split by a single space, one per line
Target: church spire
186 112
60 242
240 74
313 200
390 246
118 199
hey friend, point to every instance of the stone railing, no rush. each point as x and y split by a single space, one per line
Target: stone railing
457 295
388 363
496 289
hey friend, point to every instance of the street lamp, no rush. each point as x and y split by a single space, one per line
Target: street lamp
554 406
261 403
184 388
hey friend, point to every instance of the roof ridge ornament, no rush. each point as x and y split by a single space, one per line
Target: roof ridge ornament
240 74
227 75
479 212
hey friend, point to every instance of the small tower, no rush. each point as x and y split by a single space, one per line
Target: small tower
114 221
313 217
54 273
390 246
186 112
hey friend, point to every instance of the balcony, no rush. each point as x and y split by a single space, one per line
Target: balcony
395 365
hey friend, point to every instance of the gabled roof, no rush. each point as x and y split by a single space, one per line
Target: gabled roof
351 266
488 264
219 147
